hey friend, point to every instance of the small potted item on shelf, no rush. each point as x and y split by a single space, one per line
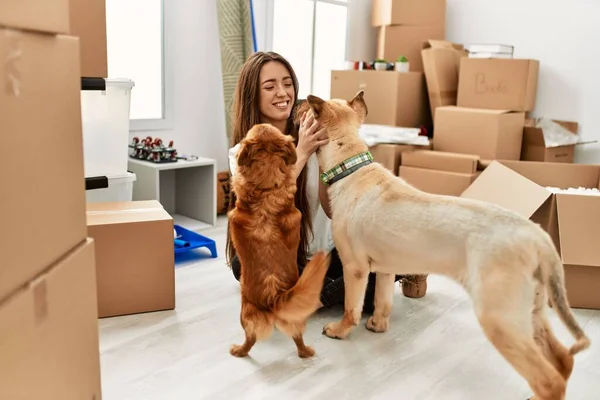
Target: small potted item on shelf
402 64
380 64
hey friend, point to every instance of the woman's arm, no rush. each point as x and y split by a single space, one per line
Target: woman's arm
324 197
300 163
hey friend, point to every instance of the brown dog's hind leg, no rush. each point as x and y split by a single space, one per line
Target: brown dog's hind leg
384 297
243 349
503 306
557 354
295 331
304 351
257 325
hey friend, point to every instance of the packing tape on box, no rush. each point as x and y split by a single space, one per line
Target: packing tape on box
13 53
131 211
443 95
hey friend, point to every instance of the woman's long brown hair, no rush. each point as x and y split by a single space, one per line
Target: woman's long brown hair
246 114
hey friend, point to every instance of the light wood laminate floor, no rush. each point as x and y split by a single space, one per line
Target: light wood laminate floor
434 350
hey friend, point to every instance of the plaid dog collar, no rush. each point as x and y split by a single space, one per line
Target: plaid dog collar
346 168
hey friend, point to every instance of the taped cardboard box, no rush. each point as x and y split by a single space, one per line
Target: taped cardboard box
43 211
490 134
390 155
570 219
135 260
498 84
88 23
441 61
51 16
49 333
439 173
408 12
395 41
535 147
393 98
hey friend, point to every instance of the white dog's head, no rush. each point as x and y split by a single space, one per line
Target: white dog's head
342 119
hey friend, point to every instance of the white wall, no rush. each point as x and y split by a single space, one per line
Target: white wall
195 58
361 36
561 34
263 15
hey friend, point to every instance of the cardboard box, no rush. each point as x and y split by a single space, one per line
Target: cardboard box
490 134
135 260
408 12
393 98
50 16
390 155
441 61
498 84
400 40
439 173
534 145
49 334
570 219
440 161
88 22
43 209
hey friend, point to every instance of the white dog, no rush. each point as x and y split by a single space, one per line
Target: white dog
506 263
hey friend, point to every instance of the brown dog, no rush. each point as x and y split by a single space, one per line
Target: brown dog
265 230
506 263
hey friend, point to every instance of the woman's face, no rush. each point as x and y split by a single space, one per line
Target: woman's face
276 92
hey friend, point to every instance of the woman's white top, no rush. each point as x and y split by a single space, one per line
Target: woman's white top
321 224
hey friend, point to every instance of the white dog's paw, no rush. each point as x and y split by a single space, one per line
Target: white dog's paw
377 325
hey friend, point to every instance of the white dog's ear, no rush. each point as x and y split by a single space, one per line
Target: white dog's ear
359 106
316 104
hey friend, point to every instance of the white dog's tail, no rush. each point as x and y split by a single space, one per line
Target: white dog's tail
553 270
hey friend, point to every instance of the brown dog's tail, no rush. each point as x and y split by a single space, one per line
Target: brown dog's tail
555 284
298 303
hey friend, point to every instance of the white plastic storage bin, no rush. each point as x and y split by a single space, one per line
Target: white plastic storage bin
120 188
105 117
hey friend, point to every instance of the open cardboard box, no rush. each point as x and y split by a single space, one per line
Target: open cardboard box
573 220
441 61
439 172
390 155
534 146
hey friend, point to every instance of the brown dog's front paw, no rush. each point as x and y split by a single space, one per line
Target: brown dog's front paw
378 325
306 352
334 331
238 351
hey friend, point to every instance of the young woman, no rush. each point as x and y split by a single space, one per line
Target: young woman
267 92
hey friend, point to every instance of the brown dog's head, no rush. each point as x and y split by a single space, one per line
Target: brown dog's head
266 157
342 118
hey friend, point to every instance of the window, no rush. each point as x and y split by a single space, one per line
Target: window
135 33
311 34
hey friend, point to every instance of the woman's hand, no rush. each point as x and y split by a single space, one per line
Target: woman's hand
310 137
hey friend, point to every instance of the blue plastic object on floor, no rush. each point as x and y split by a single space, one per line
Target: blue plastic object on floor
188 240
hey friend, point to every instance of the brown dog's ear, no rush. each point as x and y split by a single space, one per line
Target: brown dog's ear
290 153
244 156
316 104
359 106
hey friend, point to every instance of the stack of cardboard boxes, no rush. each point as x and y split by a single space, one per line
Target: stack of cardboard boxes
396 98
489 116
485 148
48 308
403 25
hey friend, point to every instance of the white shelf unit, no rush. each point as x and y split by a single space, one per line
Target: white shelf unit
186 189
